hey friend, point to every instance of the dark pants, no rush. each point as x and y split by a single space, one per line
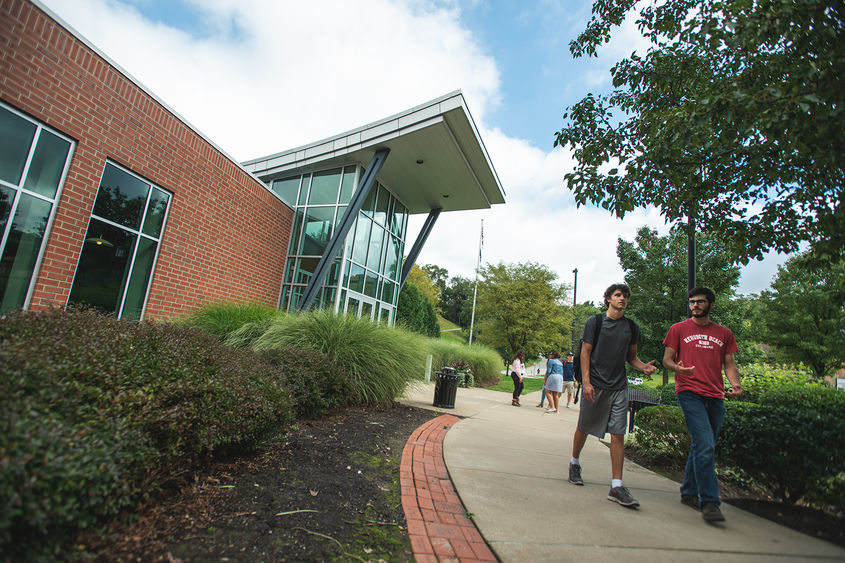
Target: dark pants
517 385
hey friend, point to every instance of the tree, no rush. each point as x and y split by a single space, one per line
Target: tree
438 275
416 312
456 301
805 315
656 271
521 306
733 119
583 311
424 283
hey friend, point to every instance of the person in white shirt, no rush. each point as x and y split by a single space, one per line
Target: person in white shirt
517 374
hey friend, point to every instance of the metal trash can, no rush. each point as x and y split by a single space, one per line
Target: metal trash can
446 387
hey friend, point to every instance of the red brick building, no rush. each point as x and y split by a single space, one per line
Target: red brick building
109 197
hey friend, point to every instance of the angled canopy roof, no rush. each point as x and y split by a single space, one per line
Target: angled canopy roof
437 158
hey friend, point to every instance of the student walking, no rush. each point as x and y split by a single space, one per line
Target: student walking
698 350
569 378
604 386
554 381
517 374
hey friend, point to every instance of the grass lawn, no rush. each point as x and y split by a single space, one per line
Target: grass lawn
506 384
450 331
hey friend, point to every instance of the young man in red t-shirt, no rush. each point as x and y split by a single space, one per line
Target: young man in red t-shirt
697 350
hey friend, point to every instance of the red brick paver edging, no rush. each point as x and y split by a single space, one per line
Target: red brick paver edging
438 526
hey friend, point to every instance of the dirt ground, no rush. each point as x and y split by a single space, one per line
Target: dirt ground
327 491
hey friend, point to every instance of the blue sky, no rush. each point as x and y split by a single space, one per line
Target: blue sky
261 76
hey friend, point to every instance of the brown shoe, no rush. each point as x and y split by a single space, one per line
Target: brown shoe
711 513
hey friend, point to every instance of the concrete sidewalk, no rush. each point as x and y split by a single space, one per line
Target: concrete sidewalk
509 466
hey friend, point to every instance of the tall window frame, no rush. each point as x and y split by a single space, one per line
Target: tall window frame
137 225
32 179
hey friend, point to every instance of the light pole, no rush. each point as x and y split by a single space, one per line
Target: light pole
574 303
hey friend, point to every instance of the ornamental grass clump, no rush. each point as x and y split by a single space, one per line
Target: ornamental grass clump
485 363
379 360
97 413
224 318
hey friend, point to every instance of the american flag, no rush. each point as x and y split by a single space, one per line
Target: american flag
481 245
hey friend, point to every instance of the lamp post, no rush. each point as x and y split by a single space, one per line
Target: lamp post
574 303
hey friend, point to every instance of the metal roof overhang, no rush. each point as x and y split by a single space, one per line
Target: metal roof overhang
437 158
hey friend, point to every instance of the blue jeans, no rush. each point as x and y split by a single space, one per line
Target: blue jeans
704 421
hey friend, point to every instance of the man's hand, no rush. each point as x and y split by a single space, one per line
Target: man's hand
684 369
588 392
649 368
736 391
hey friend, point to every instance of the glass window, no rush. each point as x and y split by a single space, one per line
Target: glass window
122 197
375 252
391 257
324 187
23 243
366 310
16 134
305 269
388 290
103 266
287 189
31 177
303 191
362 239
48 164
397 226
119 253
371 284
381 206
295 231
156 211
347 186
318 229
356 278
370 202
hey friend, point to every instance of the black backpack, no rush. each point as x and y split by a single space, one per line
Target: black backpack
576 362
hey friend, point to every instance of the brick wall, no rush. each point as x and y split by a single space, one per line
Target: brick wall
226 235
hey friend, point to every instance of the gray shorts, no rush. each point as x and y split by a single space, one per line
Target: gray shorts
608 413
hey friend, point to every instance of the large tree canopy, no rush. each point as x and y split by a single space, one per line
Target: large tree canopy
733 119
521 306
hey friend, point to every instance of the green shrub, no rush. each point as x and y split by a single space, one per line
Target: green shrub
415 312
486 364
96 412
667 394
224 318
379 360
661 432
759 378
316 382
791 443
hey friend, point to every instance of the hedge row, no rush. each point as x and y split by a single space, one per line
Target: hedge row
789 441
97 413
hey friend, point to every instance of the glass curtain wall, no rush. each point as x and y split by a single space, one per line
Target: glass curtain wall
121 245
33 164
364 277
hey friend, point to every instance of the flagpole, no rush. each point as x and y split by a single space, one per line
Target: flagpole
475 289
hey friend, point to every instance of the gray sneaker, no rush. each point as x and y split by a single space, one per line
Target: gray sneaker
575 474
623 497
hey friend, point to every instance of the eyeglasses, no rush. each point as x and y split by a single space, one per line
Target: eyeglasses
697 301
